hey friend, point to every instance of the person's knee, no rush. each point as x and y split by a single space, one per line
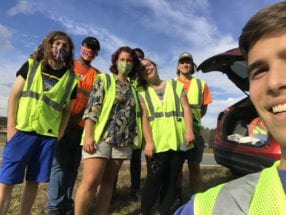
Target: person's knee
6 188
89 184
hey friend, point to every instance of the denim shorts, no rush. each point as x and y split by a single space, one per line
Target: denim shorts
27 153
105 150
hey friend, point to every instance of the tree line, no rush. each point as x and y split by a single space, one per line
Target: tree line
207 134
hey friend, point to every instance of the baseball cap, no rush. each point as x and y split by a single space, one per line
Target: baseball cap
92 43
185 55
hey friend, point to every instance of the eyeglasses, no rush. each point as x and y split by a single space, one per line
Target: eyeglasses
155 164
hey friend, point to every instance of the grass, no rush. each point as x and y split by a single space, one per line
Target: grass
122 204
2 139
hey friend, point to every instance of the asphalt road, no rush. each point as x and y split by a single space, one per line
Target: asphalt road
208 159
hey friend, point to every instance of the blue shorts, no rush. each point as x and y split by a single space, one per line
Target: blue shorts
27 153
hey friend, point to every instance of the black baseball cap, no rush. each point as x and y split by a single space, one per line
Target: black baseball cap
92 43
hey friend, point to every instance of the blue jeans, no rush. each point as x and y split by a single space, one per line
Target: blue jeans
64 171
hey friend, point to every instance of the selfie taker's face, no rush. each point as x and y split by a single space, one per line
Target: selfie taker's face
267 78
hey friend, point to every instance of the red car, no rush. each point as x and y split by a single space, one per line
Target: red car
240 144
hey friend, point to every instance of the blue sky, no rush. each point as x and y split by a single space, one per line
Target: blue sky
162 28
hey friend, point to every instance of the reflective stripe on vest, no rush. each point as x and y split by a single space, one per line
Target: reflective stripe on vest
109 87
200 94
40 110
83 92
257 193
176 113
227 199
195 99
57 106
231 198
165 118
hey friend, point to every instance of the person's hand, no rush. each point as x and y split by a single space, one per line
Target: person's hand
149 149
11 132
189 138
89 145
61 134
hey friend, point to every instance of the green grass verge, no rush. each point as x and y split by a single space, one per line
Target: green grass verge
122 205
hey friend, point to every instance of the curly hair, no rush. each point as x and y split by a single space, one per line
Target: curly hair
43 51
136 63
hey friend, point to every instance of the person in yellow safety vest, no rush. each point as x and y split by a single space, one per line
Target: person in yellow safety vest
38 112
135 162
109 131
67 154
263 43
257 129
167 125
199 97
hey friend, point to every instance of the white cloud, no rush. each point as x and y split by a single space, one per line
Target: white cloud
6 35
22 6
10 60
178 26
8 70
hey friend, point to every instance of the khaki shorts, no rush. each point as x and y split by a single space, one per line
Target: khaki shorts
105 150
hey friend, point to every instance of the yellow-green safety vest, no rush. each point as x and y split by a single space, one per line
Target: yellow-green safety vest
166 118
41 111
258 193
109 84
195 96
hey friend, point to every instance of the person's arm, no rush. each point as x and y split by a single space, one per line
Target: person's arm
204 109
186 209
89 144
91 115
64 122
188 118
207 99
147 132
13 105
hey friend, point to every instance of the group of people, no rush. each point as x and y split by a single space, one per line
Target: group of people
63 111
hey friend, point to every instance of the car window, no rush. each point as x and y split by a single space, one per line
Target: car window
240 69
